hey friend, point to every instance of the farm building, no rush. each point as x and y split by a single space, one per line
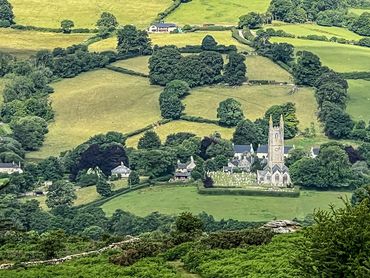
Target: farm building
10 168
183 170
162 27
121 171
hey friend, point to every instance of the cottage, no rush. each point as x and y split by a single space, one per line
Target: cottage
243 150
10 168
244 164
183 170
314 152
121 171
162 27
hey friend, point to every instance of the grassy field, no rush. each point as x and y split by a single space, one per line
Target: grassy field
359 102
359 11
254 99
216 11
85 13
96 102
182 39
262 68
313 29
25 43
138 64
176 199
340 57
200 129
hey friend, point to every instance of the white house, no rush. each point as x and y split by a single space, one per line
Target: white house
162 27
314 152
10 168
121 171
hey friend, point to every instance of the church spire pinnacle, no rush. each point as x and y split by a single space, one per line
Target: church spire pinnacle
281 120
270 121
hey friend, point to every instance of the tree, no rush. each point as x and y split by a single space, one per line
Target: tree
251 20
308 68
67 25
133 178
337 124
6 62
246 133
131 40
51 243
337 245
150 140
192 70
162 65
103 187
170 106
188 223
364 150
177 88
107 20
51 169
332 92
331 76
209 43
230 112
235 70
288 111
283 52
6 13
30 132
294 156
214 63
360 194
280 8
361 26
60 193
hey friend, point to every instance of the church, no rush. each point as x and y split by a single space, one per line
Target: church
275 172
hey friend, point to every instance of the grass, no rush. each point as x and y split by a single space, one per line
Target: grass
358 11
262 68
340 57
314 29
97 102
359 102
180 40
200 129
255 101
216 11
138 64
176 199
307 143
26 43
85 13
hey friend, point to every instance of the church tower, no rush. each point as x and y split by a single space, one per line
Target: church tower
276 143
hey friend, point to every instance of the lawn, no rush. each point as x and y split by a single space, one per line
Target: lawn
313 29
216 12
254 99
262 68
138 64
97 102
200 129
176 199
340 57
180 40
359 101
25 43
85 13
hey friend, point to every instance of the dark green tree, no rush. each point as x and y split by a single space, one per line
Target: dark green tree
103 187
51 243
67 26
132 40
361 26
107 20
192 70
338 124
308 68
6 13
209 43
188 223
235 70
283 52
171 106
162 65
6 62
288 110
230 112
150 140
133 178
60 193
51 169
177 88
295 155
214 63
246 133
251 20
332 92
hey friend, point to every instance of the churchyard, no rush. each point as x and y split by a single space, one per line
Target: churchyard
239 180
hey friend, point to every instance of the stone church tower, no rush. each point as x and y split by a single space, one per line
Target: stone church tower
276 143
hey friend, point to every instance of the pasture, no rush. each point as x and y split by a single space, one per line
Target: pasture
85 13
255 101
359 99
314 29
97 102
359 11
340 57
200 129
216 12
138 64
262 68
174 199
26 43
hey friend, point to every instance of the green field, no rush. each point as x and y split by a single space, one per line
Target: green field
254 99
85 13
340 57
359 11
138 64
96 102
176 199
262 68
314 29
216 12
25 43
200 129
359 101
180 40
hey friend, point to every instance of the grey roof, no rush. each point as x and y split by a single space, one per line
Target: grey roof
164 25
315 151
263 149
242 148
180 175
9 165
121 169
287 149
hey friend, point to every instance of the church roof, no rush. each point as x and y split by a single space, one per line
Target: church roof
243 149
265 148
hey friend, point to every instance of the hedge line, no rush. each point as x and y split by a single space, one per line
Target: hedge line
267 82
356 75
126 71
195 28
198 119
161 16
246 192
52 30
236 36
223 49
148 127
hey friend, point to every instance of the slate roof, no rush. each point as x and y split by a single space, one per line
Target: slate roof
121 169
182 175
315 151
164 25
242 148
9 165
265 148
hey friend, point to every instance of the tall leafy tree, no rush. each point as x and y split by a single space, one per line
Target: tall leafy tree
177 88
251 20
209 43
332 92
162 65
67 26
6 13
235 70
107 20
150 140
132 40
308 68
230 112
60 193
246 133
215 63
171 106
103 187
338 124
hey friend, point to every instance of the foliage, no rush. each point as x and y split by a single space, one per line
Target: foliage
170 105
235 70
338 123
288 111
107 20
307 69
103 187
177 88
6 13
251 20
150 140
133 178
131 40
60 193
209 43
67 25
230 112
361 25
246 133
51 243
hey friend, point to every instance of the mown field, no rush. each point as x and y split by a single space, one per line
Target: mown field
216 12
254 99
359 99
200 129
25 43
176 199
340 57
182 39
359 11
96 102
314 29
85 13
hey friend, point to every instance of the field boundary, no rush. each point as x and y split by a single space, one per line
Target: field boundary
126 71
